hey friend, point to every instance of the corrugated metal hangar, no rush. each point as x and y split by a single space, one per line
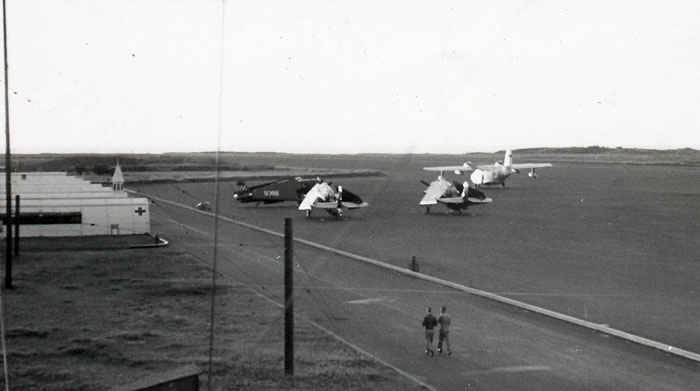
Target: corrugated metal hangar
57 204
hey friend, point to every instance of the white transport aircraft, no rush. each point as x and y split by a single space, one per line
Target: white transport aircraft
495 174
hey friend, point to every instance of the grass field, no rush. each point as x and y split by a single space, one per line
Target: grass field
87 319
145 177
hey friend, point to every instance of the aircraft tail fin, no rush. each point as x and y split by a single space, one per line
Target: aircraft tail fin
508 159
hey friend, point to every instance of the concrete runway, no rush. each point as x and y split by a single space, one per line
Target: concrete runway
611 244
495 346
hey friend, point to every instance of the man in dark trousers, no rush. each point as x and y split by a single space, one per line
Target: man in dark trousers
429 322
444 334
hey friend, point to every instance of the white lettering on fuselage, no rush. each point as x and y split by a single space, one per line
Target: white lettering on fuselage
271 193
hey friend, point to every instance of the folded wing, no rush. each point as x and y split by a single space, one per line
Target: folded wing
311 196
435 190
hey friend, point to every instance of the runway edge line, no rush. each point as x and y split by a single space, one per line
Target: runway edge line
351 345
477 292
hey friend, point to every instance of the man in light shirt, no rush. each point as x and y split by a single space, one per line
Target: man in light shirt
444 333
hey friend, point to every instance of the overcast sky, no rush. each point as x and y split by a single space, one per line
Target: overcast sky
352 76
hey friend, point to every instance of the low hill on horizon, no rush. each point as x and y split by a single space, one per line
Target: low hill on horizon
255 161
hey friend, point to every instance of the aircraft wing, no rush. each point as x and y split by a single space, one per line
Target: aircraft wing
464 167
310 198
524 166
487 167
324 205
451 200
435 190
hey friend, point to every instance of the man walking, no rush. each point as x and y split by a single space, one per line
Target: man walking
429 323
444 334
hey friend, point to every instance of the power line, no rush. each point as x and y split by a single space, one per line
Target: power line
216 189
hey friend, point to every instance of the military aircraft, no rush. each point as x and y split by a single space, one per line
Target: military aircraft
288 189
495 174
454 195
324 196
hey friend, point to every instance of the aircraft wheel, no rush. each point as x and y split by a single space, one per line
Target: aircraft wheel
308 214
427 210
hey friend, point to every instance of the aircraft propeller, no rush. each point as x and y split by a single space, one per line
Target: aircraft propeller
340 197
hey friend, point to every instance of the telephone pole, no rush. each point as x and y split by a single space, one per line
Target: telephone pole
288 298
8 162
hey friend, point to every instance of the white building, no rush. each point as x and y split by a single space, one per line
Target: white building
56 204
80 217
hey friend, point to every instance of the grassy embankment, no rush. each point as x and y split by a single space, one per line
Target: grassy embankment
87 319
175 167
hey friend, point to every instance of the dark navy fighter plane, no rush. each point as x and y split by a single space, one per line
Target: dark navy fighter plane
288 189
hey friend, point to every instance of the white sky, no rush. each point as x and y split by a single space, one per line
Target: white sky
352 76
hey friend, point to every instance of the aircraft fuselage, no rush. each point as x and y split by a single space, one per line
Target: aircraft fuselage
494 176
288 189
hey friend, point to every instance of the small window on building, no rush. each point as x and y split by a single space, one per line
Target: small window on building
48 218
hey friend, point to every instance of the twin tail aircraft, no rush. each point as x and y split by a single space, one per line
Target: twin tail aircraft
495 174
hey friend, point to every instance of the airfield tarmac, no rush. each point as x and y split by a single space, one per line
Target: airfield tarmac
612 244
495 346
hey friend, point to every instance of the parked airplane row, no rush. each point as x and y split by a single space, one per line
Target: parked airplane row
312 194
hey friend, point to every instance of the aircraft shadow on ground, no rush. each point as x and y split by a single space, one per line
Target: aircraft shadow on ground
271 207
450 214
327 219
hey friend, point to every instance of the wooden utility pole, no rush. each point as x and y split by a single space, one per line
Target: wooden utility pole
16 219
288 298
8 163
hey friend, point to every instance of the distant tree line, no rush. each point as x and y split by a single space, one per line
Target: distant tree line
104 164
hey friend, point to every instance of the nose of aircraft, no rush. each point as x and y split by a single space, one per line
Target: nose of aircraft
477 177
235 196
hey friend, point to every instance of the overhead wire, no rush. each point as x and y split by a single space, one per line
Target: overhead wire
216 191
319 299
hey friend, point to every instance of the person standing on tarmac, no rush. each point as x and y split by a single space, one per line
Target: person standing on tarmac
429 323
444 333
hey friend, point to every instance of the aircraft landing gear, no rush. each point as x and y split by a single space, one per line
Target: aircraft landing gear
308 214
427 210
503 184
